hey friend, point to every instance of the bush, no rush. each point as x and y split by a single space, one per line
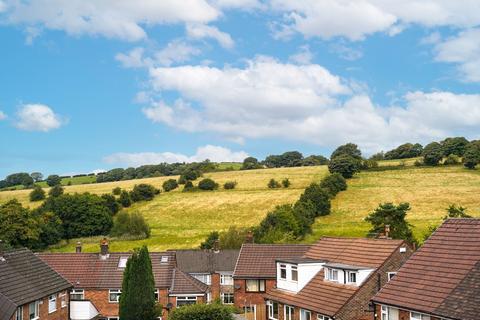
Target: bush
143 192
55 191
334 183
272 184
280 225
230 185
207 184
286 183
188 186
210 240
471 156
319 197
213 311
344 164
233 238
191 174
125 199
37 194
53 180
111 203
117 191
452 159
170 185
349 149
131 226
182 180
432 154
418 163
250 163
369 164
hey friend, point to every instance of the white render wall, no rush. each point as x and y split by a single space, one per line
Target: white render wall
306 271
82 310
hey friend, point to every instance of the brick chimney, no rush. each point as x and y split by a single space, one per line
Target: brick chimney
387 231
249 237
216 246
104 249
78 247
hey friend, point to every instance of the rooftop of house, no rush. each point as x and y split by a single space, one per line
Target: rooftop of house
257 261
327 297
182 283
25 278
442 278
206 261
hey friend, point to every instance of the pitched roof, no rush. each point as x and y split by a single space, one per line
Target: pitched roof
258 260
25 278
182 283
443 276
206 261
326 297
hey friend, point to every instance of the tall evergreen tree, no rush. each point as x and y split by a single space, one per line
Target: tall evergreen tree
138 288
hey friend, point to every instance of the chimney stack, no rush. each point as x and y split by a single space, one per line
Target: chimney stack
104 249
216 246
387 231
249 237
78 248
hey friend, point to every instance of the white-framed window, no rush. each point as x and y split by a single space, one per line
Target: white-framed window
283 271
122 262
384 313
255 285
33 310
351 277
203 277
390 275
272 310
321 317
294 273
183 301
227 298
113 318
164 259
289 312
77 294
331 274
19 313
114 295
226 279
63 299
305 314
52 303
418 316
157 295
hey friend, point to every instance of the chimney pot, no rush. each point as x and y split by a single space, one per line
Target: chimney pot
78 248
104 248
387 231
249 237
216 246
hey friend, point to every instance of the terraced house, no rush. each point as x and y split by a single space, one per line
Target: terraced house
97 282
442 279
30 289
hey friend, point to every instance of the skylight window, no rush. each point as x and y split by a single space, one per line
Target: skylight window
122 262
164 259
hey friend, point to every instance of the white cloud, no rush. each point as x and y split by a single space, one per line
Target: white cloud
201 31
268 99
213 153
2 115
356 19
303 56
464 50
345 52
176 51
37 117
122 19
238 4
133 59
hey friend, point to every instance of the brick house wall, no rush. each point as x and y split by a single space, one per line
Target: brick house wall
357 307
243 298
59 314
402 314
215 286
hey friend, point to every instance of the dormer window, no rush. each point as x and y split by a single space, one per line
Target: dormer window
294 273
283 271
122 262
352 277
331 274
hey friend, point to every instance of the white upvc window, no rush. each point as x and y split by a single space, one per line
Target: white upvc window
77 294
19 313
390 275
289 312
272 310
331 274
227 298
321 317
418 316
294 273
33 310
255 285
157 295
63 299
226 279
283 271
182 301
52 303
114 295
351 277
203 277
305 314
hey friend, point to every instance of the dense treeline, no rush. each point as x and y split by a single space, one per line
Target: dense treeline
287 159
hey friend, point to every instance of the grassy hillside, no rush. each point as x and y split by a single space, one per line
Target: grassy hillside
182 220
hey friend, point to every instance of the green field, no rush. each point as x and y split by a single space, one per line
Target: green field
182 220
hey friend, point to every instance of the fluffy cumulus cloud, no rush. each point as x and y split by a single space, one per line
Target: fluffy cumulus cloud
122 19
269 99
202 31
356 19
37 117
463 50
213 153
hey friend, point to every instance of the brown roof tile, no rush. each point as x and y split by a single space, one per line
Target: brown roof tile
258 260
442 275
206 261
182 283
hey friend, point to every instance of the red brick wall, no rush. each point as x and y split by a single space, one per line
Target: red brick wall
243 298
59 314
402 314
215 286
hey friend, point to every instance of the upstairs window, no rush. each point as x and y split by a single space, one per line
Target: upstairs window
114 295
320 317
63 299
283 271
384 313
157 295
294 273
305 314
255 285
226 279
331 274
203 277
33 312
52 303
19 313
418 316
289 313
352 277
272 310
77 294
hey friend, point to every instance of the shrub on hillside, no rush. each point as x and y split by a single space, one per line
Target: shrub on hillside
130 226
369 164
169 185
207 184
210 240
230 185
55 191
250 163
37 194
471 157
286 183
213 311
117 191
272 184
344 164
125 200
418 163
319 197
182 180
334 183
53 180
452 159
143 192
349 149
111 203
280 225
454 146
188 186
233 238
432 154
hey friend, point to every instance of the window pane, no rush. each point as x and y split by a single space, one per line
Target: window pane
262 285
294 275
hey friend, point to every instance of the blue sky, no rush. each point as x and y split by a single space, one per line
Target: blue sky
88 85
